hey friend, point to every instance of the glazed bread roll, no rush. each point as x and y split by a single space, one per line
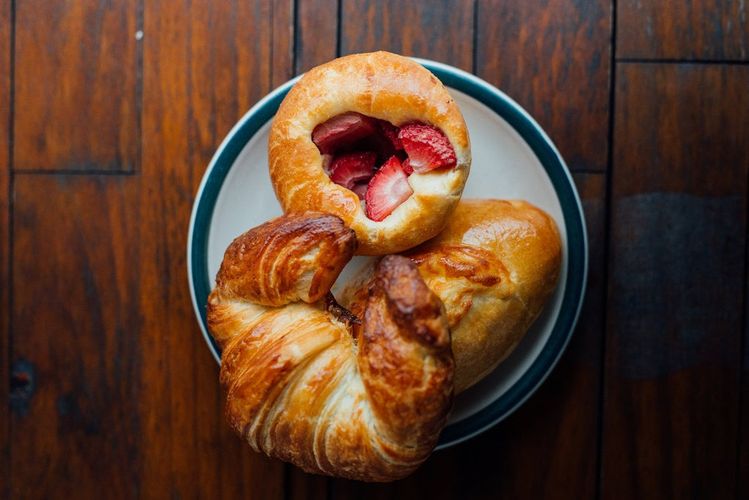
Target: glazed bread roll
378 88
308 383
494 267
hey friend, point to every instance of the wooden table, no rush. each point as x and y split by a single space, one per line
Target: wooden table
110 111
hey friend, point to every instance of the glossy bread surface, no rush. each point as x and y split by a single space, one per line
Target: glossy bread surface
494 266
384 86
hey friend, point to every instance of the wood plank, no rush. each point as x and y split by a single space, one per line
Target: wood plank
75 429
441 30
316 32
676 281
302 486
553 436
683 29
282 42
5 118
742 477
208 63
553 58
77 69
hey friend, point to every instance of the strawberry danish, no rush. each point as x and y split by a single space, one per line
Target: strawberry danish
376 140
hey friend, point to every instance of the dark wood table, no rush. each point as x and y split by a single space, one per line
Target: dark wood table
110 111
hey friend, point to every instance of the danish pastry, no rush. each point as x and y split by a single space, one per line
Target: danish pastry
376 140
494 267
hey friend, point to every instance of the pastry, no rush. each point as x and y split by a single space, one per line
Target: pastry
362 398
376 140
494 267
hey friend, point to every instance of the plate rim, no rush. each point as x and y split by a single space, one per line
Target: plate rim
548 156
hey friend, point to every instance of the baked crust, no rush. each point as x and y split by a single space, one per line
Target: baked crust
494 267
381 85
304 386
315 248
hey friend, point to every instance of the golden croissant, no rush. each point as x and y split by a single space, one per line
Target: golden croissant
362 392
307 385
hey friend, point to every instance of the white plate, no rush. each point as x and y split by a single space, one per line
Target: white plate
512 158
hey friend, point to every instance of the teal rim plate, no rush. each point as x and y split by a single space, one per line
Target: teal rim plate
512 158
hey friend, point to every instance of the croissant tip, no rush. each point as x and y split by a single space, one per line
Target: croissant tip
410 302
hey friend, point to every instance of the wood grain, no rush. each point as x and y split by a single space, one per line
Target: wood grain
208 63
441 30
302 486
553 57
74 313
742 486
316 33
742 489
109 384
5 197
678 231
77 72
683 29
282 42
552 436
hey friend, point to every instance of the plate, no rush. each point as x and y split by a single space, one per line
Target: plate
512 158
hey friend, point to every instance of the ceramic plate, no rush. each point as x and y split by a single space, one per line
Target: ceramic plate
512 158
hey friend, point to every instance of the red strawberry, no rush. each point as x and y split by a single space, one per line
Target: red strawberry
407 168
360 189
349 168
427 148
384 142
390 132
343 130
387 190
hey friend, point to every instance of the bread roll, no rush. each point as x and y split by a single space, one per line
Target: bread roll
386 87
494 267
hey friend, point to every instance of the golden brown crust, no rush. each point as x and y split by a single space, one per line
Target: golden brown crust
300 389
290 258
494 267
384 86
404 355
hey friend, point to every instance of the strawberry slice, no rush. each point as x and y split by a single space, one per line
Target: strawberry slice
360 188
387 190
349 168
343 130
407 168
390 132
384 142
427 147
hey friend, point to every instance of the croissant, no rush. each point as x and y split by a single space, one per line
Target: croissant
309 383
494 266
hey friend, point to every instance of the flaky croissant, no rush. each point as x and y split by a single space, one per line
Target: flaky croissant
304 382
